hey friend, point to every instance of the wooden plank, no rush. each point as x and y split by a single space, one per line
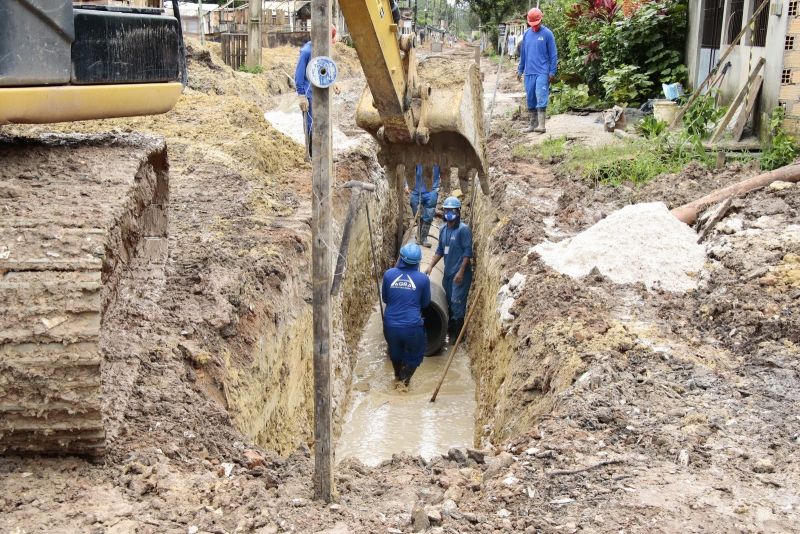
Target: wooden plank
737 102
699 90
321 235
752 98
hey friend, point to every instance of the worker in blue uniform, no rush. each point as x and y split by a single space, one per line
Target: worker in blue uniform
455 246
303 86
538 60
421 196
406 292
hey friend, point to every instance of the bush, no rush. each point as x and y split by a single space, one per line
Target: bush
565 97
651 127
781 149
702 116
624 85
258 69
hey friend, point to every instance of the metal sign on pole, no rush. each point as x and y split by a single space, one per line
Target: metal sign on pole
321 236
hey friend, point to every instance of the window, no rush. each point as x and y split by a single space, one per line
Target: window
274 17
760 31
786 77
793 8
712 23
789 45
735 19
782 103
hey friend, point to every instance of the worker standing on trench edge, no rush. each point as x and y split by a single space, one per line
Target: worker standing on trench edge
303 86
538 60
455 246
425 200
406 292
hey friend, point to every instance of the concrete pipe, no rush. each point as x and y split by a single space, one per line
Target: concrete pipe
436 315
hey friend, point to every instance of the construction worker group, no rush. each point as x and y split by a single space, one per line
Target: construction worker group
406 291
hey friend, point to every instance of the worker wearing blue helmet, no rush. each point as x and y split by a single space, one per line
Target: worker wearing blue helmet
406 292
423 199
455 246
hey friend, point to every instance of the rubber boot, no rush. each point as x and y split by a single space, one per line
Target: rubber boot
542 114
424 229
458 324
534 121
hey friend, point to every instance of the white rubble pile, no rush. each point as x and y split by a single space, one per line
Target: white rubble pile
506 298
639 243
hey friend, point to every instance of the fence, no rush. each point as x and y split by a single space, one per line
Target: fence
234 49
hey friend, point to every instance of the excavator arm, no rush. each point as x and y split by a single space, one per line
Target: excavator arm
414 120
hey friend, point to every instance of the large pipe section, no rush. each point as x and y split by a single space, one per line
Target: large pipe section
436 315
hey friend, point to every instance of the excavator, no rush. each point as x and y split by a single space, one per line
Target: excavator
62 63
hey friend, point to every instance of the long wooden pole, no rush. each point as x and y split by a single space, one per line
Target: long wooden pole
734 42
688 212
322 166
455 345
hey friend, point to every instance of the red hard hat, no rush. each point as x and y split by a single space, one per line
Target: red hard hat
333 32
534 17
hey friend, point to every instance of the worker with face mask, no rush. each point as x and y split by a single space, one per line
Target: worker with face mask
406 292
303 86
422 199
538 59
455 246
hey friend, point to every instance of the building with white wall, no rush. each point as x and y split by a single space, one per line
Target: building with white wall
774 36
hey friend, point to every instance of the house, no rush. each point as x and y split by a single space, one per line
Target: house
775 37
190 16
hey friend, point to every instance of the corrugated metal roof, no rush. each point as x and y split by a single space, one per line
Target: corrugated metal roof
284 6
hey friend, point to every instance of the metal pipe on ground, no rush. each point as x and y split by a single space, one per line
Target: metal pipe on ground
436 316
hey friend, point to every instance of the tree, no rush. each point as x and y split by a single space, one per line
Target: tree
493 12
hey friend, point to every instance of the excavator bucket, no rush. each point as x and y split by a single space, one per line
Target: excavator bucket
450 112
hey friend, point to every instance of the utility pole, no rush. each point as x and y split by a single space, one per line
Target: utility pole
322 166
254 34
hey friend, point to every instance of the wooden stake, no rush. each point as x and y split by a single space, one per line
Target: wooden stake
737 102
322 166
455 346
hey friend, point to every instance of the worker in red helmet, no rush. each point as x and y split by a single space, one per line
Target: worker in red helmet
538 59
303 86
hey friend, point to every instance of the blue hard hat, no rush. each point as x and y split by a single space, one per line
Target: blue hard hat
452 203
411 254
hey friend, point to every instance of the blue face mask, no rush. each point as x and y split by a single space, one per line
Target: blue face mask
450 216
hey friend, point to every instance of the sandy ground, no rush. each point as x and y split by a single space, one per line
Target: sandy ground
601 407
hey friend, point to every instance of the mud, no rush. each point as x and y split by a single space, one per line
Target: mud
383 420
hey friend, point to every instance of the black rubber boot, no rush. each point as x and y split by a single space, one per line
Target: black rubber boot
457 325
424 229
534 121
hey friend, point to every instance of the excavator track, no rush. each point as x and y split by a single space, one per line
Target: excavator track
75 211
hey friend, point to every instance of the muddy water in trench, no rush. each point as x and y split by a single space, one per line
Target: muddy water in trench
382 421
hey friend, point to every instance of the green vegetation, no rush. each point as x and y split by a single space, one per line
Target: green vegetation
549 151
258 69
781 149
651 127
703 115
622 52
635 161
564 97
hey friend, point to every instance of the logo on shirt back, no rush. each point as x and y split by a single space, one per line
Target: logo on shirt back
404 281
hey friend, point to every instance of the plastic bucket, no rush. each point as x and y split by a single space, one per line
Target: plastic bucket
665 110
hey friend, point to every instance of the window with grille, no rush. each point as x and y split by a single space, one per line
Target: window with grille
760 30
735 19
786 77
789 45
712 23
782 103
793 8
274 17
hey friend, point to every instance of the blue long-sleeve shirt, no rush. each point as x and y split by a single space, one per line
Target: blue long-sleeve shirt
300 82
538 54
406 292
